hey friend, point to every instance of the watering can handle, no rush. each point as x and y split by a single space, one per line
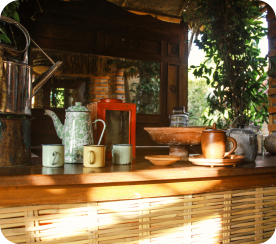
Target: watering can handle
22 28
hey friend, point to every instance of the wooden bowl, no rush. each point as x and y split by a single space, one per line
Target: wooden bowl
185 136
163 160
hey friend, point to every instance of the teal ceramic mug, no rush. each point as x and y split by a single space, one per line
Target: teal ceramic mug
122 154
52 155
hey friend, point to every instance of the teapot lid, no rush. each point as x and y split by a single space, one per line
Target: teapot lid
77 108
214 130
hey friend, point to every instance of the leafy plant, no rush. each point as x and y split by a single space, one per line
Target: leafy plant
146 91
232 30
9 11
57 97
197 102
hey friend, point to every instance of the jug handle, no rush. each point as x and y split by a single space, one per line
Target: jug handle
104 125
228 138
23 29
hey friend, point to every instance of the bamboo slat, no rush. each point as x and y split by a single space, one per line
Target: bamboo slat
241 216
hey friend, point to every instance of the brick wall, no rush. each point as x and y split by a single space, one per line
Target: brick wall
110 86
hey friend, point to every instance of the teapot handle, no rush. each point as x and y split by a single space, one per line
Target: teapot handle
23 29
104 125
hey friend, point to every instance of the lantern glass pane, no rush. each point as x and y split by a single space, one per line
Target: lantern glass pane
117 128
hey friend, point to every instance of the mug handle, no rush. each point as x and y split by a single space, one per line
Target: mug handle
231 139
91 156
55 156
104 125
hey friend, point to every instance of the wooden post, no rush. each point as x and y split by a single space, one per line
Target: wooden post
272 79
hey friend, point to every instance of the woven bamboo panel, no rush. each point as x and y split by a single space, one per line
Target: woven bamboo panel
242 216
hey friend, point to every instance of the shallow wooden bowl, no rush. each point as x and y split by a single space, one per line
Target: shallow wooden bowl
184 136
163 160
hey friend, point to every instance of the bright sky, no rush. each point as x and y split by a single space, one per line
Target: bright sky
197 56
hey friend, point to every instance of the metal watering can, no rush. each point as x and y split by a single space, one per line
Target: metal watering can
16 86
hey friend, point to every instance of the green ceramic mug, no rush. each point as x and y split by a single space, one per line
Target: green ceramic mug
52 155
122 154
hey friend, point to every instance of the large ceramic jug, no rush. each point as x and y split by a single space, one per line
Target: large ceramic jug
76 131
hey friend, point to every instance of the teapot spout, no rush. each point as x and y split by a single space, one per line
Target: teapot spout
58 125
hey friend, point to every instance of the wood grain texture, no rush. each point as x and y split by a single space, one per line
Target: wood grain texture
32 195
272 109
271 127
141 170
271 91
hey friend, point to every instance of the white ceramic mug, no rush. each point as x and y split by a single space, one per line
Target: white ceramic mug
122 154
52 155
94 156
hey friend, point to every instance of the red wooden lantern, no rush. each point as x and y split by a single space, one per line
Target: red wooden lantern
120 119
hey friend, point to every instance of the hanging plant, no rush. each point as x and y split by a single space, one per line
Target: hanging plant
232 30
9 11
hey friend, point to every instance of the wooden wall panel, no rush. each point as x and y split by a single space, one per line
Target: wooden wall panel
173 87
102 28
134 44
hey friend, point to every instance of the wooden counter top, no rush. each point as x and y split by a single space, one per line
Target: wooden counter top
34 184
141 170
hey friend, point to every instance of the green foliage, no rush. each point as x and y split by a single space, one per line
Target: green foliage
9 11
197 102
146 91
57 97
232 30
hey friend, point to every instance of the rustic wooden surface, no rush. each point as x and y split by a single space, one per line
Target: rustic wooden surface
34 184
141 170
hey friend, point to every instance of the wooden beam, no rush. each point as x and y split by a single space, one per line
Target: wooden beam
183 7
271 91
124 3
271 127
270 16
272 109
272 52
157 16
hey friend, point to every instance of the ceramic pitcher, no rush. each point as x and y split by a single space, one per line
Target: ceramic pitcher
76 131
